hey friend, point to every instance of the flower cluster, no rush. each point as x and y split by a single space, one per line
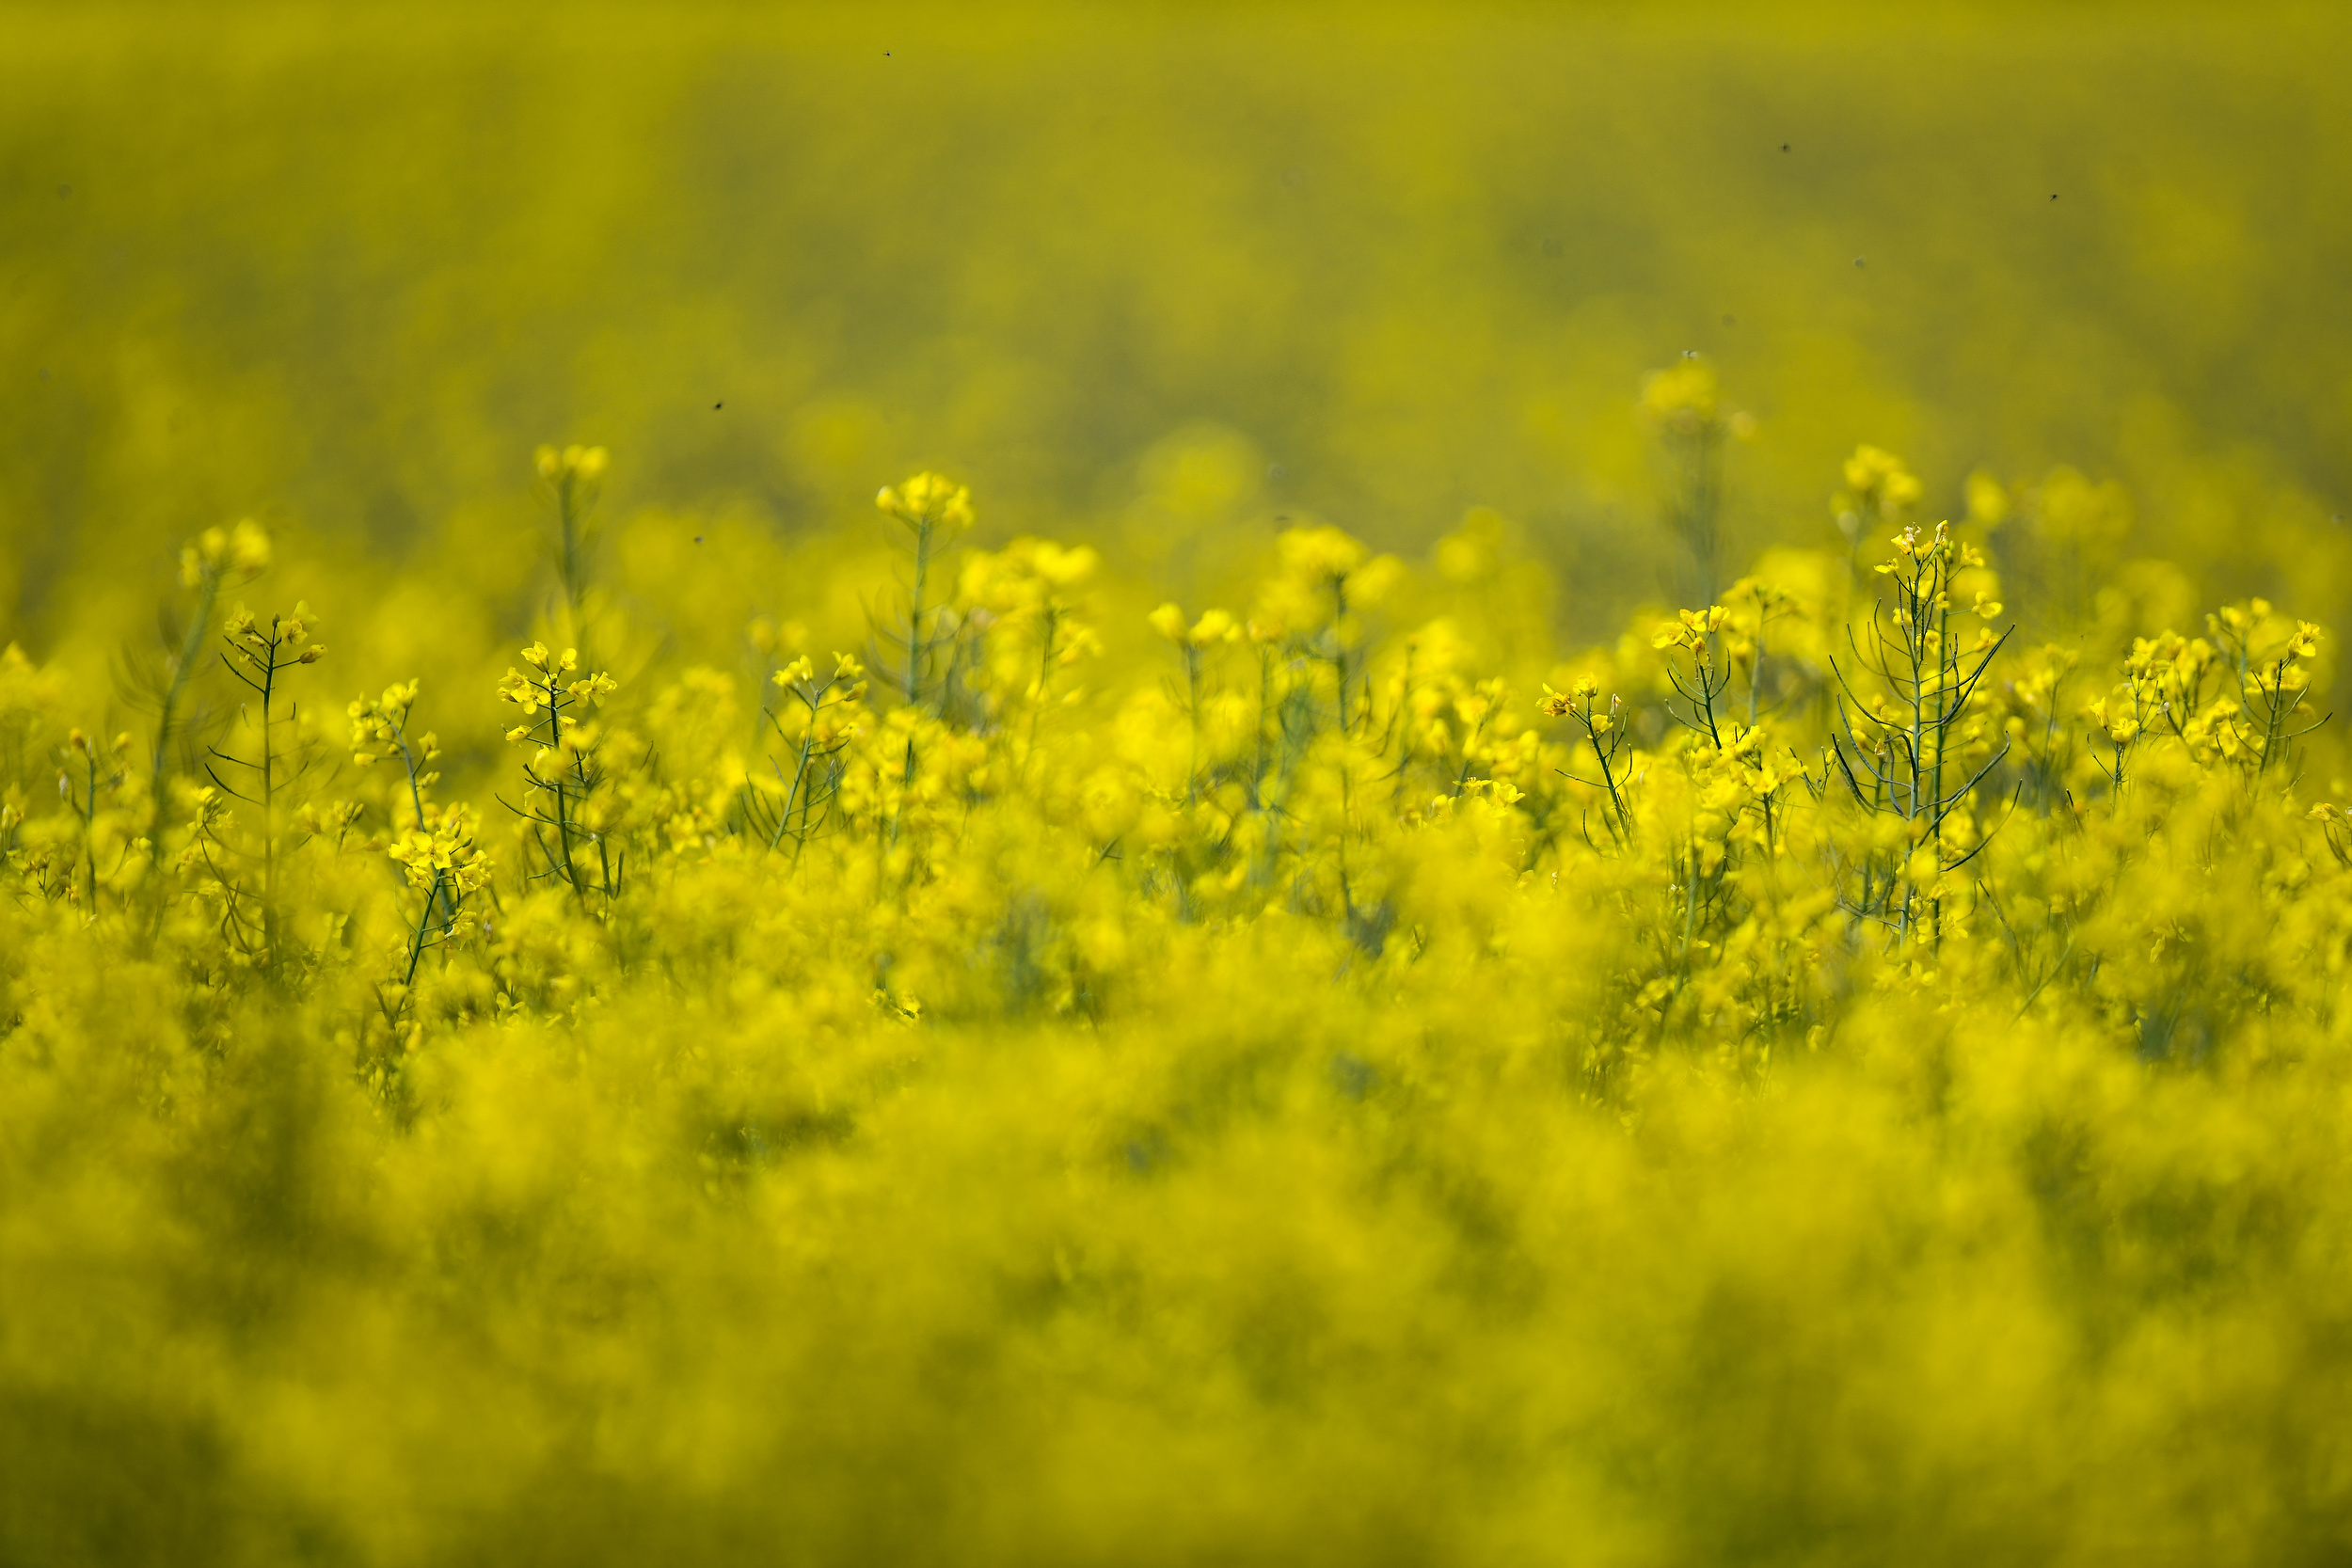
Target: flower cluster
1811 977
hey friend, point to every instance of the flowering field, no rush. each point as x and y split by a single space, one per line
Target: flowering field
1483 857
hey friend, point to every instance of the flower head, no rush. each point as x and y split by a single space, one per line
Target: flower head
239 554
928 501
570 465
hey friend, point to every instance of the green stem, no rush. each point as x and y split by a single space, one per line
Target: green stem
89 831
563 796
1192 711
200 628
269 800
424 922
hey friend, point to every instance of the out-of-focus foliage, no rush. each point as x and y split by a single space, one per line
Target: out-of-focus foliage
1164 271
1747 964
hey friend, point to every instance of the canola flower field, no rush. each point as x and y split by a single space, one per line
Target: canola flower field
634 1026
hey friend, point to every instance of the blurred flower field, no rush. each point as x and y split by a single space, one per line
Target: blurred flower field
1048 785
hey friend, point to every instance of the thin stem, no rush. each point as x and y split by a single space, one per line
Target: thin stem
269 798
200 628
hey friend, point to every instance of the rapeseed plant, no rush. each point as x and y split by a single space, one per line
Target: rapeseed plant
1385 1059
240 868
574 477
564 774
1225 1084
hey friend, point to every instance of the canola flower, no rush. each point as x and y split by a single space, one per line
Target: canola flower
1806 1079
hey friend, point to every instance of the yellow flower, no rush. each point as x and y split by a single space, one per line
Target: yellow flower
1321 554
1988 499
928 501
522 690
1682 397
1691 628
1873 473
240 552
581 463
592 689
1215 625
1065 567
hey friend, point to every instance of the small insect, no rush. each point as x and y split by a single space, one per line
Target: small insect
716 406
2054 195
698 539
1784 147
